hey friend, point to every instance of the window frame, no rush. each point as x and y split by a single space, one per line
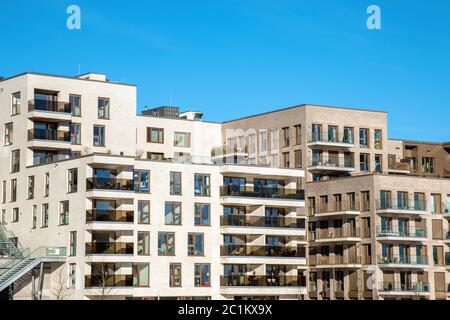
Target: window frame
166 242
101 135
173 205
8 136
199 275
200 214
192 244
72 180
63 217
106 105
173 183
72 98
204 185
173 277
160 131
141 205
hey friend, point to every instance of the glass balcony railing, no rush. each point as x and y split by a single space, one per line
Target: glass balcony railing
262 192
402 232
335 233
320 260
108 281
264 222
98 183
420 287
333 138
48 135
336 207
329 164
401 204
402 259
261 251
118 248
262 281
50 106
97 215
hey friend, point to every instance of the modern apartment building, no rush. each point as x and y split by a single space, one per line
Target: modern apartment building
100 203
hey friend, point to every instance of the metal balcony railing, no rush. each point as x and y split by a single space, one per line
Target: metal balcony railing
335 233
264 222
261 251
420 287
319 260
261 281
401 232
50 106
401 204
332 164
48 135
118 248
109 184
262 192
331 138
337 206
97 215
402 259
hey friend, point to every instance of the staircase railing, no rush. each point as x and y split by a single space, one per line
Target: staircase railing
15 249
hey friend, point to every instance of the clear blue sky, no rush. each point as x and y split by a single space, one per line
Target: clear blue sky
239 57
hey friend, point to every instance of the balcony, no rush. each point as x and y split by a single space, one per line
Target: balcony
262 222
409 288
260 251
336 235
403 206
322 261
340 140
121 216
349 208
399 260
261 192
323 166
413 233
49 106
113 184
108 281
399 168
48 135
229 150
261 281
109 248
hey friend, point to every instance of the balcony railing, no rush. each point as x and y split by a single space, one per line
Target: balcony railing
420 287
49 135
109 248
325 137
335 233
97 183
262 192
401 204
264 222
331 164
260 251
402 259
406 232
228 150
400 166
108 281
51 106
320 260
97 215
337 207
261 281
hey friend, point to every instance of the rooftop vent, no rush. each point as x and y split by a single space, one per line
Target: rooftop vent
192 115
93 76
163 112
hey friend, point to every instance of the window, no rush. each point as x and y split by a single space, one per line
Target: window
72 180
175 275
286 160
72 275
13 190
316 132
34 217
141 275
31 187
298 134
427 165
15 215
64 212
348 135
73 243
252 143
378 139
103 108
175 183
195 244
142 181
8 140
3 216
144 211
155 156
44 217
202 275
365 201
435 204
274 161
298 158
286 137
75 133
173 213
15 161
4 191
46 184
263 141
364 162
155 135
182 139
202 185
378 163
99 136
143 243
75 105
332 134
274 137
364 138
15 105
166 243
202 216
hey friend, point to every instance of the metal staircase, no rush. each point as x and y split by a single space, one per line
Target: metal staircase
8 247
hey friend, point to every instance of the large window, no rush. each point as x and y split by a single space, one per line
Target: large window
427 165
364 138
166 244
141 275
143 243
298 161
202 214
286 159
202 185
196 244
99 136
64 212
155 135
75 104
202 276
286 137
75 133
72 180
15 103
348 135
103 108
378 163
175 275
47 184
142 181
15 215
45 213
72 275
173 213
298 134
144 212
30 187
73 243
182 139
263 141
378 139
13 190
4 191
15 161
34 214
364 162
175 183
8 140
